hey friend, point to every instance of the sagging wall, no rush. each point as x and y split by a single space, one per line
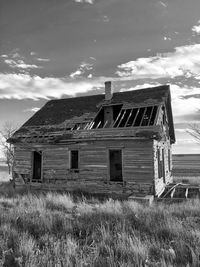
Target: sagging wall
93 174
166 164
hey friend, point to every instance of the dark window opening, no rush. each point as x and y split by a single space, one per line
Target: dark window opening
169 159
115 161
159 164
37 165
163 164
74 159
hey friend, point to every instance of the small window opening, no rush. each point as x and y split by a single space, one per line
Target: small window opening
169 159
74 160
163 164
159 164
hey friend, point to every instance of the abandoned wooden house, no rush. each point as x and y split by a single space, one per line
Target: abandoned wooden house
113 143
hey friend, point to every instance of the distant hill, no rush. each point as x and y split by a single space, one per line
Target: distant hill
186 164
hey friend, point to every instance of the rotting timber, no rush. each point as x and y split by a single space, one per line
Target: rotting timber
117 145
180 192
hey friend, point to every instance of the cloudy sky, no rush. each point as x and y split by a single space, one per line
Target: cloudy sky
62 48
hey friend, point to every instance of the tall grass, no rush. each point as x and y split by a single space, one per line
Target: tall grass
53 230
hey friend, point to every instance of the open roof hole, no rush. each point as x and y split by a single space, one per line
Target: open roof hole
132 117
139 117
153 115
99 120
119 118
125 118
147 115
116 111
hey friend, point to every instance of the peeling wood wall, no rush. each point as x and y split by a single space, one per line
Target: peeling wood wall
93 176
159 182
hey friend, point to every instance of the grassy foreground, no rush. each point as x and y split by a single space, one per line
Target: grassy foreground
53 230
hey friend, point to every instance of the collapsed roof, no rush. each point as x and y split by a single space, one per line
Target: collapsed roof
72 113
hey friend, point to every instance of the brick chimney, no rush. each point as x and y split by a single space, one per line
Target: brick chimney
108 90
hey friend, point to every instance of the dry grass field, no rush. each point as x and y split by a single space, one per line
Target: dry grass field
55 230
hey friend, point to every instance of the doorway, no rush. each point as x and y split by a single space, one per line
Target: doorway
115 162
37 166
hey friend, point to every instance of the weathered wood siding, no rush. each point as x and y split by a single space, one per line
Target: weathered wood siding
55 163
93 175
186 164
160 182
23 160
138 161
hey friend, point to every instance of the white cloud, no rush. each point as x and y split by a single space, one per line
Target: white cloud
33 53
106 18
20 64
33 109
5 56
84 66
167 38
182 106
162 4
76 73
43 59
185 60
196 28
90 76
184 102
21 86
93 58
16 55
142 86
85 1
